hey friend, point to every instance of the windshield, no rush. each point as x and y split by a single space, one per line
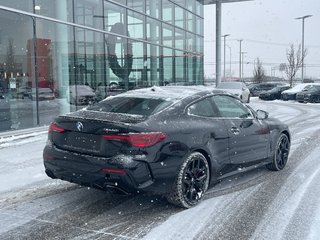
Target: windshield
308 87
276 89
314 88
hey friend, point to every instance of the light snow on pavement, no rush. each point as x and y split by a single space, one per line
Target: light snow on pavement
256 205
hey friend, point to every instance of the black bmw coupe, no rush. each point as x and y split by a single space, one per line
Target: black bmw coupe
175 141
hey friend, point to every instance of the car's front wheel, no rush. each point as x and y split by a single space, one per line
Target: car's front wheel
192 181
281 154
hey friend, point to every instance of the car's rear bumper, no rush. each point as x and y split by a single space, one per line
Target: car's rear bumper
128 175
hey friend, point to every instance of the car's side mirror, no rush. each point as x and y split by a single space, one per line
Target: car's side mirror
262 114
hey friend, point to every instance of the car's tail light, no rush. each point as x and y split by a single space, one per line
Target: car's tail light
112 170
55 128
138 139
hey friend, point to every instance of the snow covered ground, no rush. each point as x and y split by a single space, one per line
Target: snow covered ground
257 205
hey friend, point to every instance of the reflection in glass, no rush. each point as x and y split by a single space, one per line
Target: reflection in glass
153 34
88 13
179 38
59 9
77 66
17 76
137 5
135 24
153 8
153 65
115 14
179 16
190 22
179 67
168 66
123 2
25 5
167 11
54 42
167 35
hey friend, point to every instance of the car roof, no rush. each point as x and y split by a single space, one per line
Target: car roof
170 92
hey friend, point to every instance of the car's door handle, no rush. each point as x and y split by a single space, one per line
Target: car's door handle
235 130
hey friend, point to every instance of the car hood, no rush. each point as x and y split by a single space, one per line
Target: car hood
290 91
265 92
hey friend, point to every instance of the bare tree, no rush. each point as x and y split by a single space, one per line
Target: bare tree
258 73
295 60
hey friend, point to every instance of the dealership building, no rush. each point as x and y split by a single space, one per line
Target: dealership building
56 56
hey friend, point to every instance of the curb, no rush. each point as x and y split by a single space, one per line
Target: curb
23 131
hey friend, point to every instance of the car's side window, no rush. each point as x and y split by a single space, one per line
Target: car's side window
202 108
230 107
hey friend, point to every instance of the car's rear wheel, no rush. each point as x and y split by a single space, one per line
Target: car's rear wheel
248 101
281 154
192 181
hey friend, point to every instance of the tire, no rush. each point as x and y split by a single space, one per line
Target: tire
281 154
192 181
248 101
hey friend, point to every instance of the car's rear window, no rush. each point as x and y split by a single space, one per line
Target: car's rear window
131 105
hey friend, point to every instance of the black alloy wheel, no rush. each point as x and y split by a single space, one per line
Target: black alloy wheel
192 181
281 154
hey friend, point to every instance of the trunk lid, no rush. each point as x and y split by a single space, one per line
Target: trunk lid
83 132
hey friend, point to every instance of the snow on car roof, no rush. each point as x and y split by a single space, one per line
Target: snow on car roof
167 92
299 87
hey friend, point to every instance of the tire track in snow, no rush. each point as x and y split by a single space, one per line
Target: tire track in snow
292 211
232 212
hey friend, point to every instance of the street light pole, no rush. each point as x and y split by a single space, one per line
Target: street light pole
240 41
242 54
230 54
302 44
218 42
224 55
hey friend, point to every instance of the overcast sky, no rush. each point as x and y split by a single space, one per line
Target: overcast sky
267 28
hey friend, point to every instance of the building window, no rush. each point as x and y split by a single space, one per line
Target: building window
145 43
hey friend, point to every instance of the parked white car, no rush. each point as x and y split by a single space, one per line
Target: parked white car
81 95
238 89
43 94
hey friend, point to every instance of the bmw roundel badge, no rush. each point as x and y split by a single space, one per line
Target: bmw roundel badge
79 126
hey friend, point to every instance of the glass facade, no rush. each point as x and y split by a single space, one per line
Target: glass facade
58 56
